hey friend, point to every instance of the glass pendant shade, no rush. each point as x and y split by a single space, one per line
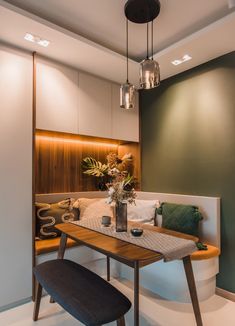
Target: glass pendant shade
149 74
127 96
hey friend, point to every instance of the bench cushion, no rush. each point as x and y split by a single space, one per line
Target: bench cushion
84 294
50 245
206 254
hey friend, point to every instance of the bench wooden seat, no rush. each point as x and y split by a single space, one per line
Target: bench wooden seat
206 254
50 245
82 293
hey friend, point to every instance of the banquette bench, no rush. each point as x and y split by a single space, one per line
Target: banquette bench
205 262
52 245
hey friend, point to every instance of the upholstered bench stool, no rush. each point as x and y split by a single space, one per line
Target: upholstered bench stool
82 293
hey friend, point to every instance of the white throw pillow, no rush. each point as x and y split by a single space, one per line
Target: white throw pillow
143 211
94 207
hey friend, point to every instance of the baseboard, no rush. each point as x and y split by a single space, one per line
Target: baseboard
225 294
15 304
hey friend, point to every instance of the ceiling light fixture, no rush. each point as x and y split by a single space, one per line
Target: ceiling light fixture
140 12
185 58
127 90
36 39
231 4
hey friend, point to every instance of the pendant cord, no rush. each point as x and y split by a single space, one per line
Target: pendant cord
152 39
127 53
147 40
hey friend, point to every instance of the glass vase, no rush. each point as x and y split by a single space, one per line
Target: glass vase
121 216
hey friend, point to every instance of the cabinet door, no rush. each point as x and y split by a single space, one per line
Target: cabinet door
57 97
15 176
94 117
125 123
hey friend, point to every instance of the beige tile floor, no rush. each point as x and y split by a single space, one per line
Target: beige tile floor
154 311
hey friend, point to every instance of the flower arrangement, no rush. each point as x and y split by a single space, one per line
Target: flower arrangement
121 188
117 175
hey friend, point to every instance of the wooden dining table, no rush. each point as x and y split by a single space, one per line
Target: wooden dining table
132 255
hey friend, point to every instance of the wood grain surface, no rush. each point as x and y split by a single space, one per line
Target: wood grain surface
58 160
118 249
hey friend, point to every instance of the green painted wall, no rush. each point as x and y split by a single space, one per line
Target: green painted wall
188 143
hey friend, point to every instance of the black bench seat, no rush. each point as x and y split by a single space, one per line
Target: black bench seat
82 293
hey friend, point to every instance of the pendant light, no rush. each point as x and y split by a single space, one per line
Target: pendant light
140 12
127 90
149 68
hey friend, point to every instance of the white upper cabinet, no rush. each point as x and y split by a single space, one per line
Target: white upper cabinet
94 113
57 97
79 103
125 123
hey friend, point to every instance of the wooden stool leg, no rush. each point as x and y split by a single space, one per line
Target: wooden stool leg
121 321
108 268
192 289
37 301
61 251
52 300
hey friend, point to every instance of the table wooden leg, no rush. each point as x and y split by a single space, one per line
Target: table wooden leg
61 251
62 247
136 293
108 268
192 289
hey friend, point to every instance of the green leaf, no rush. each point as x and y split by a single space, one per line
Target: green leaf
94 167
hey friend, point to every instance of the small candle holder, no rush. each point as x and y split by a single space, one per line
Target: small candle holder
106 221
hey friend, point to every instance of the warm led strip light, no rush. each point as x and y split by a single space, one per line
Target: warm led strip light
74 141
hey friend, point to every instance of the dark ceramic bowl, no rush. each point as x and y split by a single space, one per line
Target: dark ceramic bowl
136 232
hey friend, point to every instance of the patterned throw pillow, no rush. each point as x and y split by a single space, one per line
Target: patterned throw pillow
48 215
93 207
181 218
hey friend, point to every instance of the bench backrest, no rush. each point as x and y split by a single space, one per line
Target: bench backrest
208 206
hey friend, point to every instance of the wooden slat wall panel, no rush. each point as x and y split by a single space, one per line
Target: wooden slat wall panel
134 149
58 165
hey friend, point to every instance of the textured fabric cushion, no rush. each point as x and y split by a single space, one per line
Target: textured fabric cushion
181 218
94 207
48 215
84 294
206 254
50 245
143 211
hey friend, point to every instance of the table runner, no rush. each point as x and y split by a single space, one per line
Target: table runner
169 246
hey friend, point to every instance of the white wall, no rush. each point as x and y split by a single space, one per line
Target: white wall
15 175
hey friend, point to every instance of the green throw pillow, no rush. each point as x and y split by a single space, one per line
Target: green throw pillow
48 215
181 218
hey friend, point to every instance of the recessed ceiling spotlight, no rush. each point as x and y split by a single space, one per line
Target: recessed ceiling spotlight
185 58
231 4
36 39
